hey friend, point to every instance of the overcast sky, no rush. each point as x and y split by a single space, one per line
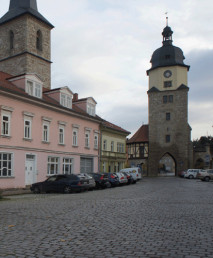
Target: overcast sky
102 48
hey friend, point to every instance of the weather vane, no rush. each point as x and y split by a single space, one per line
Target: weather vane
166 13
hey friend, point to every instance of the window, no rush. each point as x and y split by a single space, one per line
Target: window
104 166
167 84
164 99
105 145
75 137
112 146
61 134
66 100
168 116
53 165
120 147
45 136
11 39
167 99
167 56
170 98
87 139
96 141
91 109
167 138
39 40
34 89
5 125
27 129
67 166
5 164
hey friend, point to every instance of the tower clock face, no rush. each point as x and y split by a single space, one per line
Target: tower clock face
167 73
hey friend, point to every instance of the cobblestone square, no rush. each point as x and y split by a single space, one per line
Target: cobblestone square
157 217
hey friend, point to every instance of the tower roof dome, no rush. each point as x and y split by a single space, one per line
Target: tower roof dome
167 55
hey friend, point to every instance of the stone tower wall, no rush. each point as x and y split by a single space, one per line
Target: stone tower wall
25 57
177 127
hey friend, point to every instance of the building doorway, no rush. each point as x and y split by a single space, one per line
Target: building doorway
30 170
167 165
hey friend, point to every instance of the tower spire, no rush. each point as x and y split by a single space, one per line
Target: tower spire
167 22
25 4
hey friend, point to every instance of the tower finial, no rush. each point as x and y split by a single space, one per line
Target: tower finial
167 23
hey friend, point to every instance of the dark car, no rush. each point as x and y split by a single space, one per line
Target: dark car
101 180
113 179
61 183
92 183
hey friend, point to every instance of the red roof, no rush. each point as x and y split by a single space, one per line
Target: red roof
115 127
142 135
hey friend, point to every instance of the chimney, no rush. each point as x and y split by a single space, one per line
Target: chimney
75 96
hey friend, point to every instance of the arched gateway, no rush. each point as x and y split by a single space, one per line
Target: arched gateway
167 165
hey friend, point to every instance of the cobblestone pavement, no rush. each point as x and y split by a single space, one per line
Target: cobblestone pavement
157 217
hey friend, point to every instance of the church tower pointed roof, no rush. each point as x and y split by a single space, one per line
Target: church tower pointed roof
20 7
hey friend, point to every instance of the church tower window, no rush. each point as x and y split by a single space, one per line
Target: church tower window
39 40
11 35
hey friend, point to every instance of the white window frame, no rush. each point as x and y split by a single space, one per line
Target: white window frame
112 146
87 139
95 141
46 132
34 89
5 125
91 109
28 129
67 163
61 134
53 162
8 162
66 100
105 145
75 137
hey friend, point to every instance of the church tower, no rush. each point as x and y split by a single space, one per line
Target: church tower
170 148
25 41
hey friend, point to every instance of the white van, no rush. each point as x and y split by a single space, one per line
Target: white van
135 172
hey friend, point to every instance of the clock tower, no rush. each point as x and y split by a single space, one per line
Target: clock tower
170 147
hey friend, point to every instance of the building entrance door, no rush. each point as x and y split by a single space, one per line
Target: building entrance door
30 171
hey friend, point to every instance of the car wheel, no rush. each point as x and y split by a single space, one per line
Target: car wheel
36 190
206 179
191 177
67 189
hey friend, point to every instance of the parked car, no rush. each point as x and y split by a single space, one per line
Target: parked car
130 178
92 183
113 179
192 173
122 178
135 172
206 175
101 180
181 173
61 183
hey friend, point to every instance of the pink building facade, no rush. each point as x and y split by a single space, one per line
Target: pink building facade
43 131
41 135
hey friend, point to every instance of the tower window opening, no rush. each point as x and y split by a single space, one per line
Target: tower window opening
168 116
167 84
167 56
164 99
11 39
171 98
168 138
39 40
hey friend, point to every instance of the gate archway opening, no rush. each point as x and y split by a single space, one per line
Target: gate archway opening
199 163
167 165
